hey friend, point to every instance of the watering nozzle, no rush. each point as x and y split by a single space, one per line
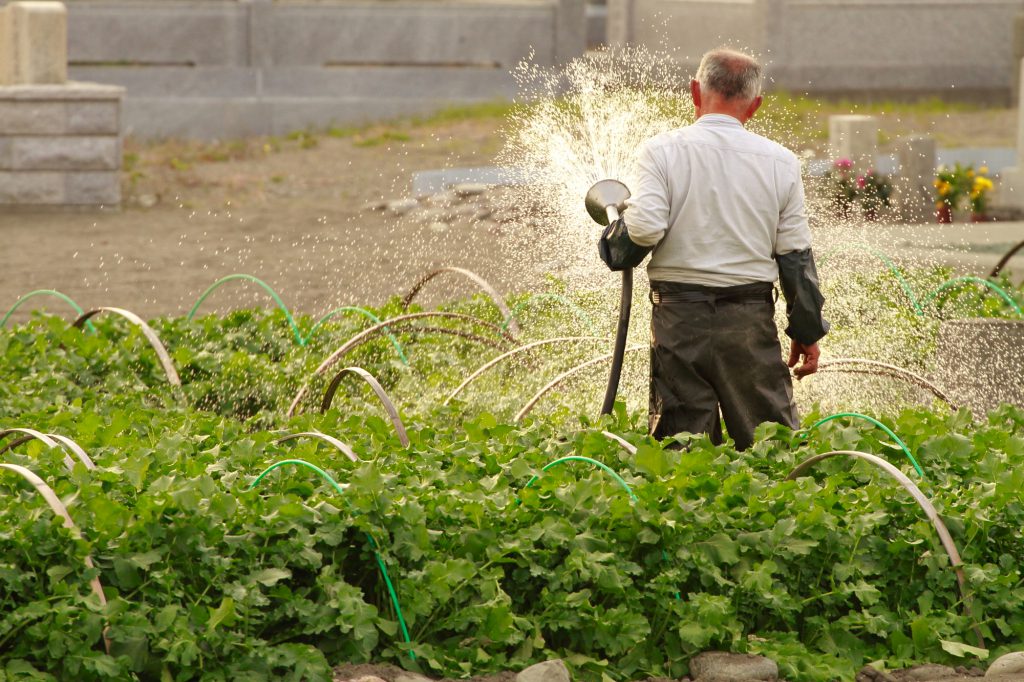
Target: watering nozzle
605 200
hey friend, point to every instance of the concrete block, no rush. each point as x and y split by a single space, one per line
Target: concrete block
93 188
570 30
5 153
39 32
854 137
175 81
439 82
42 117
170 32
34 188
94 118
453 34
65 153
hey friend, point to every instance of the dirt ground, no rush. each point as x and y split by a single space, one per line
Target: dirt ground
293 212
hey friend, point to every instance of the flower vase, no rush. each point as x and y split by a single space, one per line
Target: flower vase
979 217
944 213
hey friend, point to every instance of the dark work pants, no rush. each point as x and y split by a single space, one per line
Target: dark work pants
716 354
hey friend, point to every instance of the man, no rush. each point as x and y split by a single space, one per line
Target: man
724 210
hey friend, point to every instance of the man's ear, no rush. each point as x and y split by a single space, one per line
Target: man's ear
695 93
754 106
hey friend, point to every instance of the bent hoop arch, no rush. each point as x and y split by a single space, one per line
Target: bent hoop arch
60 510
50 440
266 287
578 311
579 458
368 315
892 267
995 271
484 285
45 292
367 334
957 281
341 446
515 351
885 369
565 375
380 562
626 445
944 537
382 395
154 340
889 432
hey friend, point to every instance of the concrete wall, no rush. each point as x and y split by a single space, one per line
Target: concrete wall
224 68
841 46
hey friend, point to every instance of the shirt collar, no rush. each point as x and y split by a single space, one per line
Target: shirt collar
719 119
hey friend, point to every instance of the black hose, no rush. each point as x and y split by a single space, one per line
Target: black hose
625 306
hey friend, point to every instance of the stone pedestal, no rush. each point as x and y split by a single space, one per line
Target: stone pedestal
854 137
60 145
917 155
981 362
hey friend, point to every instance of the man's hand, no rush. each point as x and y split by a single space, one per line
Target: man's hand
810 356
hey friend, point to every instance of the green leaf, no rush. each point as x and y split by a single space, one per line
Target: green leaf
960 649
651 460
270 576
225 613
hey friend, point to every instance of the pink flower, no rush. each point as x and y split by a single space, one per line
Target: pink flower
861 182
844 164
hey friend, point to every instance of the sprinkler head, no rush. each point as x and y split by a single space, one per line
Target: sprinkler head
603 195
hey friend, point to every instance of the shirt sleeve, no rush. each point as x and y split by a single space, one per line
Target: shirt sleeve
647 211
793 233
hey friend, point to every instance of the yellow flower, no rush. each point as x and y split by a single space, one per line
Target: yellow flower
982 184
970 172
943 187
983 170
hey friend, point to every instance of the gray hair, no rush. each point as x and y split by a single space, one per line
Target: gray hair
732 74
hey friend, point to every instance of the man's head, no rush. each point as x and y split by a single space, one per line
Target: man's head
727 82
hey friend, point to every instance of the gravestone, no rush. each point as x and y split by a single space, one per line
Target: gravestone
1009 191
917 158
60 141
854 137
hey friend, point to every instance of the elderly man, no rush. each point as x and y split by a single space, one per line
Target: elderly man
723 209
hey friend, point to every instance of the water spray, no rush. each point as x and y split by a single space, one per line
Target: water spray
602 202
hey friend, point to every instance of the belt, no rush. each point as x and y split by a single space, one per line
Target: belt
747 293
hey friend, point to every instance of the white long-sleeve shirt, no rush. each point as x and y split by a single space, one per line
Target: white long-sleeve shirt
718 201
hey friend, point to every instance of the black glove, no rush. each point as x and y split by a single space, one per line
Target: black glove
617 250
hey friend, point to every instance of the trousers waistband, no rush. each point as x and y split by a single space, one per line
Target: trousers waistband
673 292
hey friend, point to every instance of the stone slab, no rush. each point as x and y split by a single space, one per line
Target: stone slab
65 152
93 118
42 187
439 180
